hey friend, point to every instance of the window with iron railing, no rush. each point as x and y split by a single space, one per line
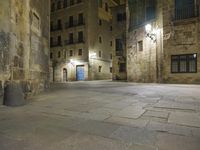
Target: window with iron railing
65 3
141 11
185 9
59 5
119 47
80 36
80 18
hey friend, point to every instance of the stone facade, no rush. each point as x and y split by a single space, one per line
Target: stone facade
168 52
119 42
89 45
24 44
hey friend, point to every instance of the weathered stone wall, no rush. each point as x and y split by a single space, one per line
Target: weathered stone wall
24 44
144 65
118 32
173 37
181 37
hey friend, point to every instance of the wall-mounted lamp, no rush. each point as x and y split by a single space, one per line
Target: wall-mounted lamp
150 33
92 55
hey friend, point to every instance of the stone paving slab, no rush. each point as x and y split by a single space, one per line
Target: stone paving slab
128 122
170 128
130 112
176 142
157 114
96 128
184 118
89 142
141 147
135 135
117 105
176 105
103 110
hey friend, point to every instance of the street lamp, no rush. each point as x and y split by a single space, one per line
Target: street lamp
150 33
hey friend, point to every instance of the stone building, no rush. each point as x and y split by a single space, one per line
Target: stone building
163 41
118 42
80 40
24 44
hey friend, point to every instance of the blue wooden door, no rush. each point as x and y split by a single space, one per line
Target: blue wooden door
80 73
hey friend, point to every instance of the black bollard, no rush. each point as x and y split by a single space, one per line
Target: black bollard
13 94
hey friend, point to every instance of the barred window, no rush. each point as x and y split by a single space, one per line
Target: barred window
184 63
184 9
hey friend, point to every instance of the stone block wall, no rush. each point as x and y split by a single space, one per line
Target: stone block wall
24 44
181 37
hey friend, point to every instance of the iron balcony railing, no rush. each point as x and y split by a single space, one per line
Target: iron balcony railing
56 44
186 13
119 53
74 24
70 42
56 28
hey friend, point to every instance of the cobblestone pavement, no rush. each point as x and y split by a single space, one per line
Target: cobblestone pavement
105 115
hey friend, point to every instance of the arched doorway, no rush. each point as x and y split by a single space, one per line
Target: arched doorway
64 75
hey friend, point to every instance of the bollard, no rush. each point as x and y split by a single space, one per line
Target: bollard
13 94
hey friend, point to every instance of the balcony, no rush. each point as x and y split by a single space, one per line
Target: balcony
119 53
56 44
71 42
56 28
74 24
185 13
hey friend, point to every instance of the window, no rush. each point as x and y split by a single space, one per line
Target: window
110 43
141 11
59 40
59 5
140 45
111 56
111 69
65 3
71 20
184 9
111 28
71 53
52 7
80 18
80 52
65 54
100 68
51 41
184 63
119 47
51 55
151 9
71 38
106 7
80 36
100 22
59 54
122 67
121 17
100 39
59 25
100 54
71 2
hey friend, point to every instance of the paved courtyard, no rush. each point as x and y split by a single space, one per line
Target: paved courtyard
105 115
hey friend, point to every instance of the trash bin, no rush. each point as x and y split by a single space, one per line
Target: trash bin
13 94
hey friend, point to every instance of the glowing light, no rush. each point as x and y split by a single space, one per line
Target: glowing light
148 28
92 55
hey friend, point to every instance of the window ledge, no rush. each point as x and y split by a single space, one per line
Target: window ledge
185 21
